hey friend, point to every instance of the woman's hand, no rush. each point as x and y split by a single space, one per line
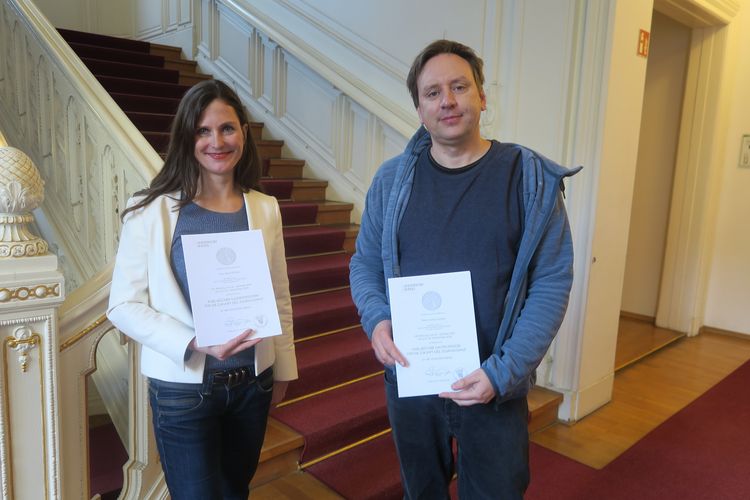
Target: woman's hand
230 348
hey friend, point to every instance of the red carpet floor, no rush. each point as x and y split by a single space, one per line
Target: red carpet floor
702 452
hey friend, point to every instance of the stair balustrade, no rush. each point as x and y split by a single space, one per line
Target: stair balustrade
92 158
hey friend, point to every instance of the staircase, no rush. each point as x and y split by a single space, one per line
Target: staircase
333 422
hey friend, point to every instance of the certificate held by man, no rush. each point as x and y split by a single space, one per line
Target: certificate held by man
230 286
434 328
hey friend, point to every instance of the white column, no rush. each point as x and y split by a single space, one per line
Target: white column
31 290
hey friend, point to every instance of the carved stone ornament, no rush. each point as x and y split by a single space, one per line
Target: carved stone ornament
23 340
23 293
21 191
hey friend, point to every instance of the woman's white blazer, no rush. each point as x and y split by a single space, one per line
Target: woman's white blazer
146 304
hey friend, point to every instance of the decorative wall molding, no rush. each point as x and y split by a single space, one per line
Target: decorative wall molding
31 393
341 140
22 341
699 13
397 114
73 339
24 293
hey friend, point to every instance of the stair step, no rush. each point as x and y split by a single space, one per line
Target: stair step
132 85
158 140
298 485
256 131
284 168
334 212
373 463
269 148
338 418
131 71
140 103
192 79
279 188
296 214
104 40
309 190
332 360
184 66
350 235
322 212
166 51
323 312
543 405
280 453
116 55
310 240
318 272
151 122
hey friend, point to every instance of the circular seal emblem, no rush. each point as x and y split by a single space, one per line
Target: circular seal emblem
431 300
226 256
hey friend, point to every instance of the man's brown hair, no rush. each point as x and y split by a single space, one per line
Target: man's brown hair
443 47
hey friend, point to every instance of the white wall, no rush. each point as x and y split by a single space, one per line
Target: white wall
657 148
729 283
167 22
107 17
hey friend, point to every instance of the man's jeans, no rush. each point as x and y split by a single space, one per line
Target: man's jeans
493 446
210 435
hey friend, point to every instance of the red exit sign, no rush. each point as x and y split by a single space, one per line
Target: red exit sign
643 40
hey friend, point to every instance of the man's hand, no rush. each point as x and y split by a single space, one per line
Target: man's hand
221 352
279 391
382 343
475 388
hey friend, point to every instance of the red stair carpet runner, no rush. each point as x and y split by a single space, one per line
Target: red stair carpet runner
339 398
107 455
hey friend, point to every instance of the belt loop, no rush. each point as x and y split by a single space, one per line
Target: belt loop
208 383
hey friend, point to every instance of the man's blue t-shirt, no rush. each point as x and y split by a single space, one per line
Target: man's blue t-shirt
467 219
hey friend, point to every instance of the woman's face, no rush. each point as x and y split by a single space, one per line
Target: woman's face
219 139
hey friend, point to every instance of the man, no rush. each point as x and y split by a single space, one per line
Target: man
455 201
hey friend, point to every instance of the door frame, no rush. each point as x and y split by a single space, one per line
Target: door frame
687 257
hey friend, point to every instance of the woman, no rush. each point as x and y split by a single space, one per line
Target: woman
209 404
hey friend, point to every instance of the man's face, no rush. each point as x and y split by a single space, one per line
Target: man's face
450 103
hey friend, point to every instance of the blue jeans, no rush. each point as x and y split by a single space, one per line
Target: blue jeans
210 435
492 441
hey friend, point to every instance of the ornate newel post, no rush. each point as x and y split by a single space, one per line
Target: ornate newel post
31 290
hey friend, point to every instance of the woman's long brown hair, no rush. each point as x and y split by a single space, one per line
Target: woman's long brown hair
181 170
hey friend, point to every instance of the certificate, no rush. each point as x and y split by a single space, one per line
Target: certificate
434 327
230 286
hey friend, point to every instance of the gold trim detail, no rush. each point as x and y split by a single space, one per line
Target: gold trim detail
328 389
23 340
345 448
78 336
325 334
29 292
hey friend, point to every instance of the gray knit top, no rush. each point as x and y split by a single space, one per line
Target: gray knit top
194 219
